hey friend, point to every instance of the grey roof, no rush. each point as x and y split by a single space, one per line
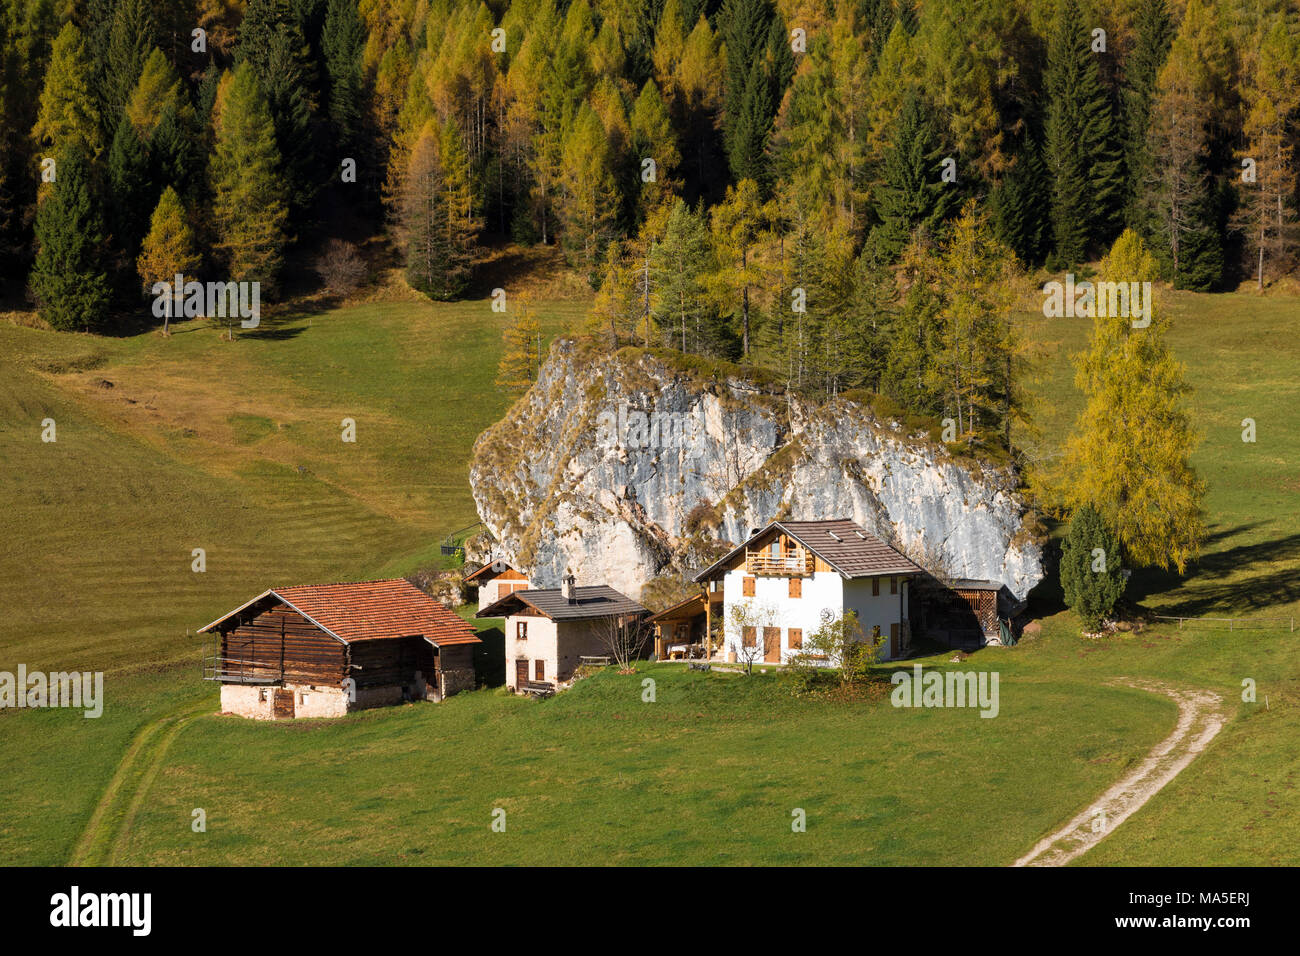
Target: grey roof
845 545
596 600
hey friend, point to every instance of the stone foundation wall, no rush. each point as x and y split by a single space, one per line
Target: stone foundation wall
246 701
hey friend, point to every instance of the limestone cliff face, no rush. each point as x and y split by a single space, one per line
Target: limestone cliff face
629 465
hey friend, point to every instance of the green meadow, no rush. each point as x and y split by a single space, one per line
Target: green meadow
166 445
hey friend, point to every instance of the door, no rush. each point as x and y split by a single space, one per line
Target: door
282 704
521 673
772 645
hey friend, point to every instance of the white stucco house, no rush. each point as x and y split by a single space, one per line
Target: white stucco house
792 577
549 631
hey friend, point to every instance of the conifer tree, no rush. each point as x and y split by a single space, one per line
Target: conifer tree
912 194
69 118
69 280
1081 152
272 43
250 206
1129 454
522 357
131 36
737 223
1091 572
758 66
1268 216
589 199
679 263
342 43
1153 32
437 218
169 249
131 191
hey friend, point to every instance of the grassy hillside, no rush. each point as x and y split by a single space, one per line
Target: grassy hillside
235 448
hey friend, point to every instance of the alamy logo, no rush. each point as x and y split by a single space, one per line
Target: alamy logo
1127 300
74 908
636 430
36 689
209 300
946 689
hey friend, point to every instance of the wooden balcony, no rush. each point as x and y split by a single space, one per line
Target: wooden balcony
796 564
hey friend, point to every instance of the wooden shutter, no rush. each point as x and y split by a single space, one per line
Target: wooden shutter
794 638
796 587
747 636
539 667
875 587
893 585
747 588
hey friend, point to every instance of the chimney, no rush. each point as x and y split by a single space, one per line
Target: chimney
754 531
566 588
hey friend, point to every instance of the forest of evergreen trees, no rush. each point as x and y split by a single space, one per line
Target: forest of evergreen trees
836 192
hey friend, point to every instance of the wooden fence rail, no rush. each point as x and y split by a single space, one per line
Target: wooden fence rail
1232 623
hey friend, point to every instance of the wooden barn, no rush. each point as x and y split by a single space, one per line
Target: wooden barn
321 651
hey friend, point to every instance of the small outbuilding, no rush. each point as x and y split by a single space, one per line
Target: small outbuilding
549 631
495 580
324 650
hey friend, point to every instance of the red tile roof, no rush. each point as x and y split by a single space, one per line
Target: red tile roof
371 611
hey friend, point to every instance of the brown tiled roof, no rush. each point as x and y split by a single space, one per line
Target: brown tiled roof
598 600
370 611
492 568
845 545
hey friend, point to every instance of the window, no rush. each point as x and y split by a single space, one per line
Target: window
776 549
539 669
521 630
893 585
796 587
747 587
794 638
875 587
748 637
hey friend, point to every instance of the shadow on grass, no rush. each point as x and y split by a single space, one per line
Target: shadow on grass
1216 581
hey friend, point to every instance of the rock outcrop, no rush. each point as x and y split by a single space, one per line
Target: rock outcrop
623 467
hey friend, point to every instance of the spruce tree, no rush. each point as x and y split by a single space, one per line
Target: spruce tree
131 37
131 191
913 194
758 66
271 41
1152 34
1019 214
69 280
1091 575
343 42
250 207
1081 152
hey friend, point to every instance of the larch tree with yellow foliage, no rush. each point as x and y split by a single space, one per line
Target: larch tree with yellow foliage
169 250
518 367
1129 456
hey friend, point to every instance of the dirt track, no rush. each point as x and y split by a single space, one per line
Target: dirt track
1200 717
